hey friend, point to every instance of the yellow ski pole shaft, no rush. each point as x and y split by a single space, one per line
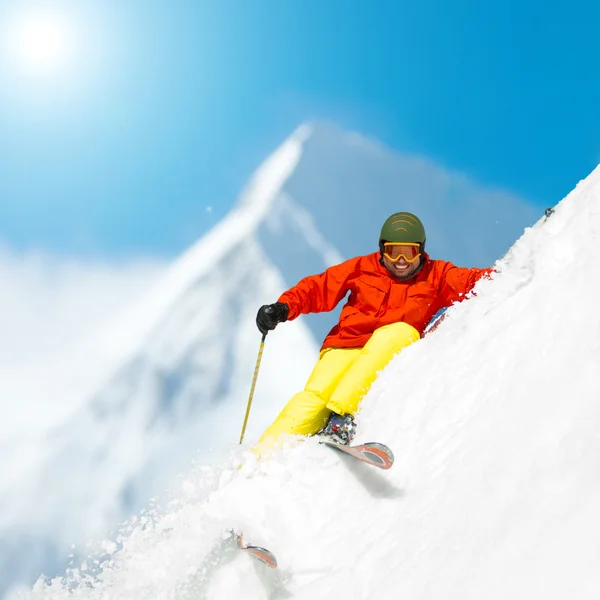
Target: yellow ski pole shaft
256 368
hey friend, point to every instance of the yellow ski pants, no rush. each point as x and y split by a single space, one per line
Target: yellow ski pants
340 379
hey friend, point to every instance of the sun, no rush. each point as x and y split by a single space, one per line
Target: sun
40 42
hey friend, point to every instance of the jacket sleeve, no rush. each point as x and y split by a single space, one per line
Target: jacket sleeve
457 282
319 293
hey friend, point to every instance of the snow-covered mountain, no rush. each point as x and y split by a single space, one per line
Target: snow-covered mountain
173 377
493 418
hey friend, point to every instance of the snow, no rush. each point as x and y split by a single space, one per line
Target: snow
166 383
172 376
494 494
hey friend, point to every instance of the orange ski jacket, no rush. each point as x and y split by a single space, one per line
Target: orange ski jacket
378 298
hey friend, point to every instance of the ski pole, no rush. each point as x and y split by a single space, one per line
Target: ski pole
260 351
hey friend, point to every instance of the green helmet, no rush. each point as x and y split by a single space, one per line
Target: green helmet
403 228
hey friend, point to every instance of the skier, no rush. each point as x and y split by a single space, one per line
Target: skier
394 293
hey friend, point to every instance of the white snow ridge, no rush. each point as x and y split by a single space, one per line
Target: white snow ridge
493 419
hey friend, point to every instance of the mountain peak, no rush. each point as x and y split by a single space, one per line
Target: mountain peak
494 419
180 380
303 132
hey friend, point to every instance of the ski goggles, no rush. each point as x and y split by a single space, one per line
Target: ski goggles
409 252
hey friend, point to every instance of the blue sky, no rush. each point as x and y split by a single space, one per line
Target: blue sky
163 110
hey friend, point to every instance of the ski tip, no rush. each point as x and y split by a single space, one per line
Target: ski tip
263 555
373 453
382 451
378 458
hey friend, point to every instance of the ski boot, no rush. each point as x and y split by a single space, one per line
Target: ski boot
340 428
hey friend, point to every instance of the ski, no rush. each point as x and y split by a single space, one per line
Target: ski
262 554
372 453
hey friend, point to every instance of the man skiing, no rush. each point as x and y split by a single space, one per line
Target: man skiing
394 293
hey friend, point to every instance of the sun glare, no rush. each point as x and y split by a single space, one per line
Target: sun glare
40 43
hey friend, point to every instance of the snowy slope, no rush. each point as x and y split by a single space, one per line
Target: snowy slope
493 419
171 380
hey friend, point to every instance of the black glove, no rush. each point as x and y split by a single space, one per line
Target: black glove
270 314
